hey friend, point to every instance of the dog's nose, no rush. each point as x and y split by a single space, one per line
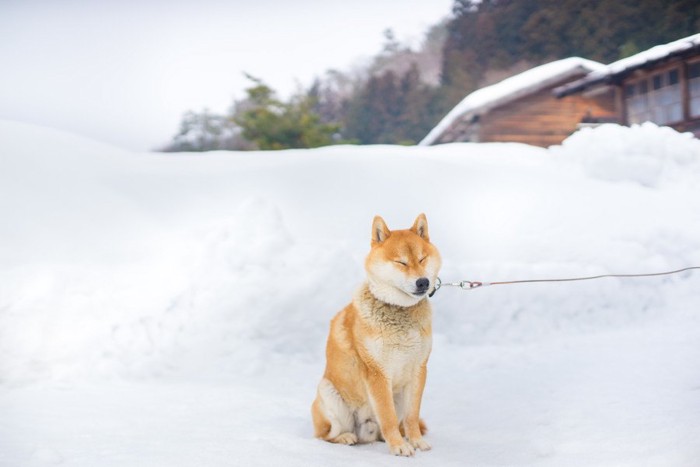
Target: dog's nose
422 284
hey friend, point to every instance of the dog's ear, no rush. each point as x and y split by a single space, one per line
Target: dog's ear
380 231
420 227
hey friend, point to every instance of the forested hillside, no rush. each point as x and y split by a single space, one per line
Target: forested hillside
403 92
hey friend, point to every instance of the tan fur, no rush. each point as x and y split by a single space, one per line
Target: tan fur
378 347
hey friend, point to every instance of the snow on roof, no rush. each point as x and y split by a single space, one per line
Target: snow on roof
640 60
510 89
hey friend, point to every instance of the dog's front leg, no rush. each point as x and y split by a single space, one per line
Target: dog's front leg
382 400
412 400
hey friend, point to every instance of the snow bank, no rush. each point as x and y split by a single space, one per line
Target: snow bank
647 154
121 265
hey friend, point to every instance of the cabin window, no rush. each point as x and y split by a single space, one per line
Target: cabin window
657 99
694 88
637 103
673 77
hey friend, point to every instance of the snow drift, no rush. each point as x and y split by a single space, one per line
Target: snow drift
132 265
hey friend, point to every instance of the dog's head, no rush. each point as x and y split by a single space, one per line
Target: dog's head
403 265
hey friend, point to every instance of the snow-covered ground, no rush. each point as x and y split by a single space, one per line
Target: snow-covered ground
171 310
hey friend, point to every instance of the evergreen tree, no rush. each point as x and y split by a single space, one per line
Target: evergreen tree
273 124
392 109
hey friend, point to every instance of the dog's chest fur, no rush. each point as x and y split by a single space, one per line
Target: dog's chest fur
401 339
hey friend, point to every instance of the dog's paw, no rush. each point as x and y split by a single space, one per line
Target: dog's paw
404 449
345 438
420 444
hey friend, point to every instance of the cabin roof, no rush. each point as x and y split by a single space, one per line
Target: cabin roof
620 68
510 89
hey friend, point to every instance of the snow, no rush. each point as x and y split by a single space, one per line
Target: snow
628 64
649 155
172 309
530 81
655 53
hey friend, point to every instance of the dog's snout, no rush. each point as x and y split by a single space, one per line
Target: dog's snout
423 283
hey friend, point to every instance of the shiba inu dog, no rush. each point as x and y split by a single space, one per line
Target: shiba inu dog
378 346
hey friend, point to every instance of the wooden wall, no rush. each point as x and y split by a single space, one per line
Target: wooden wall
539 119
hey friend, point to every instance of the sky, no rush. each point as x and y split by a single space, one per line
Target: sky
124 72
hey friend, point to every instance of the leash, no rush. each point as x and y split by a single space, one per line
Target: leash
470 285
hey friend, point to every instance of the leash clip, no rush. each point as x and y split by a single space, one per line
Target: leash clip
469 285
438 284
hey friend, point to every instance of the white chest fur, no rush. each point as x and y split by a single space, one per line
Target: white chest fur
402 341
400 355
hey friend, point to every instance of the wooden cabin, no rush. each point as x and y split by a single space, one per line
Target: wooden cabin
523 108
660 85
